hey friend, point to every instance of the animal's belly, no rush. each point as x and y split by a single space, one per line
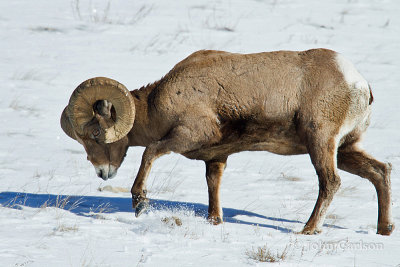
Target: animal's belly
279 140
281 147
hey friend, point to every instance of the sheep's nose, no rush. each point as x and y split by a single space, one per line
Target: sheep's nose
100 174
106 172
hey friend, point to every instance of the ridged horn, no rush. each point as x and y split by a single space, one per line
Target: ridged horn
80 107
66 124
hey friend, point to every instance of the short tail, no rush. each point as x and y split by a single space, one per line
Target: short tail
371 96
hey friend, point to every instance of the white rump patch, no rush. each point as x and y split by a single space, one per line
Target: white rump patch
359 108
353 78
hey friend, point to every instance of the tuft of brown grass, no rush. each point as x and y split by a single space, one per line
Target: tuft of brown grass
66 228
264 254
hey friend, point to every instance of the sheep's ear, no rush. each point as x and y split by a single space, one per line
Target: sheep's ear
103 108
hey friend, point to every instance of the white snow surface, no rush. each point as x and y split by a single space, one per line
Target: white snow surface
52 211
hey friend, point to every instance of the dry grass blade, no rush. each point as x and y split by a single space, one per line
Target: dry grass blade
264 254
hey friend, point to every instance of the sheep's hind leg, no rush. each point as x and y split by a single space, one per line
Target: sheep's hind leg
323 157
214 171
354 160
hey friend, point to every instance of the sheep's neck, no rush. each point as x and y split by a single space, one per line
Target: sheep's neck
143 131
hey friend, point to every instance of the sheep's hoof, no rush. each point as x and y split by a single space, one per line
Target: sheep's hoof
215 220
141 207
385 229
310 231
140 203
138 197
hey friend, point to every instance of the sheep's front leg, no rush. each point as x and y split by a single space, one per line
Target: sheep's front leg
214 170
183 138
139 199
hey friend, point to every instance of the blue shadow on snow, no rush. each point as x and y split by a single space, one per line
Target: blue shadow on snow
87 205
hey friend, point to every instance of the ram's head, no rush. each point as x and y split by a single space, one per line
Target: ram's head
99 115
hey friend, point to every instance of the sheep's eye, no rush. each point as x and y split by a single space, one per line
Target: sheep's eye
96 133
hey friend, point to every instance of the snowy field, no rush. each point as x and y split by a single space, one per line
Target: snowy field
54 211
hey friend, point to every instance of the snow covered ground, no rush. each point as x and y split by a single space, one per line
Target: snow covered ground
55 211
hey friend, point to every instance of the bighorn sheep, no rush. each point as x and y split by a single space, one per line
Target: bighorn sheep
214 103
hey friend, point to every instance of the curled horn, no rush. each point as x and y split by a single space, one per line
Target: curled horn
80 108
66 124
